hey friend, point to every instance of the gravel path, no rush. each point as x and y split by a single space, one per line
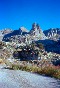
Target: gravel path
22 79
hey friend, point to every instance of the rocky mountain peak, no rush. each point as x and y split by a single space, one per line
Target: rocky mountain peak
35 26
36 31
38 27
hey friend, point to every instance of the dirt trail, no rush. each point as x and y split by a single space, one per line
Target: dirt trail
22 79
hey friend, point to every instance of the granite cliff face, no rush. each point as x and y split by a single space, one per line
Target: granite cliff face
23 30
37 32
53 33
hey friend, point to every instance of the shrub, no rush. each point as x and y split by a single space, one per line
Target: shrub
51 71
40 45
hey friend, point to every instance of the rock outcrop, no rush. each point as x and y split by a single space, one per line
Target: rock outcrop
53 33
37 32
23 30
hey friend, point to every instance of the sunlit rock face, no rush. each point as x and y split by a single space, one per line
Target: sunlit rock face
23 30
6 31
1 35
37 32
53 33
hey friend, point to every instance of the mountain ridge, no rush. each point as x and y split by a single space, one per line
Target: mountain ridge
36 32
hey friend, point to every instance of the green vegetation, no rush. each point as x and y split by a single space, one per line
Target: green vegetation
52 71
40 45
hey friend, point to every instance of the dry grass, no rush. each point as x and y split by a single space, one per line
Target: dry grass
1 61
52 71
48 71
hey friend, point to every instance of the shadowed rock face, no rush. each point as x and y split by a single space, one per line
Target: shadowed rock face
7 36
52 33
4 32
21 31
50 45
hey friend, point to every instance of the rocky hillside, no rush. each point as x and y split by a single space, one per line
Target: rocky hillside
21 31
3 32
53 33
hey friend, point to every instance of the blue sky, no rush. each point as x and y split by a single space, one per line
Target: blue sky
17 13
